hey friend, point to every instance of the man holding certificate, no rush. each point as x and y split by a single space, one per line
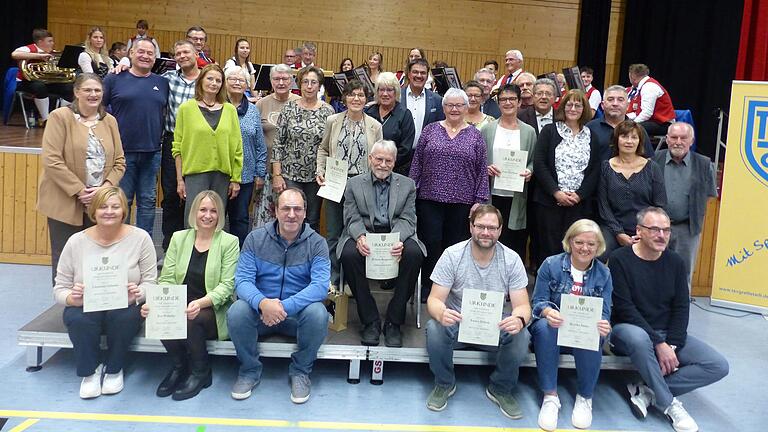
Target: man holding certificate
380 202
281 281
571 308
106 262
485 269
650 318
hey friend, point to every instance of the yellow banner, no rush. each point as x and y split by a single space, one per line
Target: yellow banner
741 258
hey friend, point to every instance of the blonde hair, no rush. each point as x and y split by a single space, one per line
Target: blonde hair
215 199
101 55
102 196
387 79
582 226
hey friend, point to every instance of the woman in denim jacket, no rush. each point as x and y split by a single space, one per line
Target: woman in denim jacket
576 271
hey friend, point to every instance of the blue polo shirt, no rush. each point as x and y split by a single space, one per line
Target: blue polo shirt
138 104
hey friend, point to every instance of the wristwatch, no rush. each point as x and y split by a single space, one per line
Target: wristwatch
674 347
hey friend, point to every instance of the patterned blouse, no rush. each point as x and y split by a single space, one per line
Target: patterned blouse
299 132
353 146
95 159
571 157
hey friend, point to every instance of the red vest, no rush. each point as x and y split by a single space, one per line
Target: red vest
32 49
503 80
663 111
590 91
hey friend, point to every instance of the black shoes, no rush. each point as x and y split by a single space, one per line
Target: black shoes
195 382
392 336
371 334
172 380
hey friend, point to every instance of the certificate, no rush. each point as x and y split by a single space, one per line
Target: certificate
335 179
580 316
167 317
105 278
511 163
380 264
480 317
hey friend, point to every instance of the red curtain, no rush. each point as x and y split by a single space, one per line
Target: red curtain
752 63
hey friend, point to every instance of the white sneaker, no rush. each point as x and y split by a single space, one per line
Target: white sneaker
550 407
582 413
641 397
681 420
90 387
113 383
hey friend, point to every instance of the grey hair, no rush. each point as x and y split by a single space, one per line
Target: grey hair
615 88
279 68
546 81
385 146
232 70
528 75
658 210
688 126
483 71
516 54
454 92
387 79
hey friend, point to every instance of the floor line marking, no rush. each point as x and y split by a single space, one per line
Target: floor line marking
210 421
24 425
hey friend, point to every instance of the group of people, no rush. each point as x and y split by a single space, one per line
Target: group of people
420 165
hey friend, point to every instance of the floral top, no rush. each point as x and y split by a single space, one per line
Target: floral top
571 157
94 159
299 132
353 146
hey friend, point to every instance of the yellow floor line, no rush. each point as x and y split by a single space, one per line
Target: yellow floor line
210 421
24 425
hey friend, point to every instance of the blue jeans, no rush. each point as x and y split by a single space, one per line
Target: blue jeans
140 179
441 341
237 209
700 364
309 327
548 358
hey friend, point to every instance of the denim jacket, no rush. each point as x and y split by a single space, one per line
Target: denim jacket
554 279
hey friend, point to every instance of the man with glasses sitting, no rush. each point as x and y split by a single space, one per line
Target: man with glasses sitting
650 323
281 281
481 263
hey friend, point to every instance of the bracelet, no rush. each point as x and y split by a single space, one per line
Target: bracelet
522 320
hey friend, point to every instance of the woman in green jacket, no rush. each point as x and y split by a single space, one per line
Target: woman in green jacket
204 259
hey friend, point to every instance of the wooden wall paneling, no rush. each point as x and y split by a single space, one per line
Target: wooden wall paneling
30 210
4 207
19 203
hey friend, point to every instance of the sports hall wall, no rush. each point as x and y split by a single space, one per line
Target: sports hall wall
464 33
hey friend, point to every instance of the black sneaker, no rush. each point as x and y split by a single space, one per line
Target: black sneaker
392 336
371 334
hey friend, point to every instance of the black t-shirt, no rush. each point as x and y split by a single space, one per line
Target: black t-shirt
652 295
195 278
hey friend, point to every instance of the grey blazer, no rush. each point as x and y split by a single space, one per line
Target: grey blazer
702 187
359 205
516 219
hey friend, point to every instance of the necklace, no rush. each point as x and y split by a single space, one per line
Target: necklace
209 105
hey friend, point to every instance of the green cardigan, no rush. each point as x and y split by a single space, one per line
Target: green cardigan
516 219
203 149
219 270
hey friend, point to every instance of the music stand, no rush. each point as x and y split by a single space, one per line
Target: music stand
263 81
68 59
163 65
573 78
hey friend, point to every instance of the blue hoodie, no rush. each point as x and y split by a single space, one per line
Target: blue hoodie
298 274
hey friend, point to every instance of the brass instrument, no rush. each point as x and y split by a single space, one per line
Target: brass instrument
47 71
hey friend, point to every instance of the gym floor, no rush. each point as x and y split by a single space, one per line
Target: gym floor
48 400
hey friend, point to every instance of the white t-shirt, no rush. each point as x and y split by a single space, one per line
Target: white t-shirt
578 281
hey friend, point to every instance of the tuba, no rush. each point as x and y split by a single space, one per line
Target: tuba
47 71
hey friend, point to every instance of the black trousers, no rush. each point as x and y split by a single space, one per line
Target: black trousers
42 90
552 223
653 128
513 239
354 271
59 232
192 350
439 225
173 206
85 329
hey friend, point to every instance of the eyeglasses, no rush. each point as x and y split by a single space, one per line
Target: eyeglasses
356 96
582 244
658 230
310 82
488 228
508 99
454 106
382 160
236 80
543 94
386 90
574 106
281 79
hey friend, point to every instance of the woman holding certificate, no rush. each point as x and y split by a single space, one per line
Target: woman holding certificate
628 183
300 129
396 121
450 170
204 259
502 136
82 152
101 279
348 137
567 167
577 273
